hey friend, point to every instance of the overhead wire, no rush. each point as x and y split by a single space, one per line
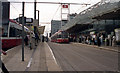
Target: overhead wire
47 3
52 3
14 8
82 6
56 12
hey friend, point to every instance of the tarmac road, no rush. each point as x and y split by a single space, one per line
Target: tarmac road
76 57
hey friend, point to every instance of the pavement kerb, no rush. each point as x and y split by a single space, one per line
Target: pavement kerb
99 47
51 61
9 50
16 59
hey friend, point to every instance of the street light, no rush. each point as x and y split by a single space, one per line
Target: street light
35 18
38 16
23 7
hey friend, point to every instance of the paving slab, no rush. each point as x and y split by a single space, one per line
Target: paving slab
40 58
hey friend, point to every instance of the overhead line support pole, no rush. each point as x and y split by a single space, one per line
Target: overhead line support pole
23 5
35 19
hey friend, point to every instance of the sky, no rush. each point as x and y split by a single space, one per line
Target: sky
48 12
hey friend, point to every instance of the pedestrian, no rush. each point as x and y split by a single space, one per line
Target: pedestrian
95 39
74 39
101 39
43 38
89 40
98 40
80 39
114 41
26 40
37 37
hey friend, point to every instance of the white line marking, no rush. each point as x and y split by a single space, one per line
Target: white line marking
52 54
0 70
29 63
10 49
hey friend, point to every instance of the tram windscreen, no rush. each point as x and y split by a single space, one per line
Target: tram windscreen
59 36
64 34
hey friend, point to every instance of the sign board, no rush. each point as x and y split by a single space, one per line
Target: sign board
35 23
41 29
92 32
64 6
20 20
29 20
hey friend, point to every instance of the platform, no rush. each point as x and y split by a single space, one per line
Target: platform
40 58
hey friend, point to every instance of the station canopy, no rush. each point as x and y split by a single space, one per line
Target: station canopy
110 11
98 11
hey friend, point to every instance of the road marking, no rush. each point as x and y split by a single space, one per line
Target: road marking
52 54
0 70
29 63
13 48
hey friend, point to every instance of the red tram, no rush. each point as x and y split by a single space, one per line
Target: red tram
60 37
11 34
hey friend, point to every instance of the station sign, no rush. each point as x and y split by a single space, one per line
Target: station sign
64 6
20 20
26 20
29 20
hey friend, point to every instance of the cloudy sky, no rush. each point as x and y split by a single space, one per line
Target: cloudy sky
48 12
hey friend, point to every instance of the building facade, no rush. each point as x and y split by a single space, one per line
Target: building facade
55 26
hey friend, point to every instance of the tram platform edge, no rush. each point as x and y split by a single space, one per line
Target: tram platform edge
13 59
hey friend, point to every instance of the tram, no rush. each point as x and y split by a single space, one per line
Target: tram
60 37
12 34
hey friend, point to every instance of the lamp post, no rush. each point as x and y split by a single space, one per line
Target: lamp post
35 19
38 16
23 5
35 9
